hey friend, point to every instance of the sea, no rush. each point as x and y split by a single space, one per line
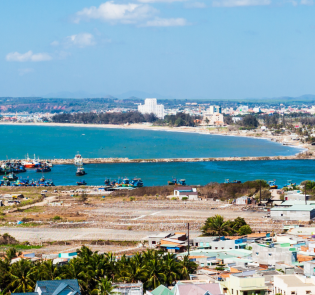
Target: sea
49 142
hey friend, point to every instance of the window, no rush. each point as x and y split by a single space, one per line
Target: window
270 254
197 244
216 248
232 291
257 253
308 292
222 247
153 242
281 214
245 293
224 290
293 293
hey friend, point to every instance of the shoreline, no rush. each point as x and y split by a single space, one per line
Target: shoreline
303 150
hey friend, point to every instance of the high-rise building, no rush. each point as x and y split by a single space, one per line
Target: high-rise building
214 109
150 106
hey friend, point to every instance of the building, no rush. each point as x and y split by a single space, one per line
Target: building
214 109
150 106
235 285
128 289
295 212
309 268
215 119
160 290
186 192
196 288
293 285
268 255
155 239
213 243
57 287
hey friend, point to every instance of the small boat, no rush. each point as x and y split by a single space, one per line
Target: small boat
43 169
78 160
80 171
182 182
173 182
125 182
136 182
272 184
12 176
81 182
107 182
226 181
236 181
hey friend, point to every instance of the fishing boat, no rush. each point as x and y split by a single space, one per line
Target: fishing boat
81 182
136 182
30 163
80 171
78 160
236 181
107 182
172 182
125 182
43 169
12 176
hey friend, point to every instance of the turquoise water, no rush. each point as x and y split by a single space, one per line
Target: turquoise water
64 142
194 173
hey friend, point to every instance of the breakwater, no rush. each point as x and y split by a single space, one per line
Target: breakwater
305 155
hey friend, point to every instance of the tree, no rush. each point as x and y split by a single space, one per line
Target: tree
249 121
244 230
215 226
105 287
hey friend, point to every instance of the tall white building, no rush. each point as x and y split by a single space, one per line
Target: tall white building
150 106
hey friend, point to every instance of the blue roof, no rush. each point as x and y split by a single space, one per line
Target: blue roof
57 286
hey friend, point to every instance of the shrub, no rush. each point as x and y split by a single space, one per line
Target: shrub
56 218
184 198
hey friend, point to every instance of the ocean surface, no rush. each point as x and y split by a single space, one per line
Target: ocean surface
51 142
194 173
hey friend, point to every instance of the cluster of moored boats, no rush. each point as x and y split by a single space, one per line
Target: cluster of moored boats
11 168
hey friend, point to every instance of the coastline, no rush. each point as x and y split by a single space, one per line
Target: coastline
304 151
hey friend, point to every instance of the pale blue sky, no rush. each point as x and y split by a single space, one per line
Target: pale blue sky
219 49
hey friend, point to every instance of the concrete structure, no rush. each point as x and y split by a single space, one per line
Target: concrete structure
295 212
150 106
213 243
57 287
215 119
295 196
244 286
128 289
309 268
214 109
271 256
293 285
187 192
154 240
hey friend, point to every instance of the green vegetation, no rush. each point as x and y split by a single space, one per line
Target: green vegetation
95 272
217 226
56 218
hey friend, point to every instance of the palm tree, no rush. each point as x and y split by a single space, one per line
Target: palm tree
215 226
21 275
47 271
187 267
171 268
155 275
132 273
105 287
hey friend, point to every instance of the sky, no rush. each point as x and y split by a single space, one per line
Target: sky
212 49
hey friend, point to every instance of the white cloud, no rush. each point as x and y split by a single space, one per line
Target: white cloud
81 40
195 5
116 13
54 43
27 56
307 2
166 22
160 1
23 72
236 3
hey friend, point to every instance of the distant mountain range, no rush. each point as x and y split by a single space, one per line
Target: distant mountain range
143 95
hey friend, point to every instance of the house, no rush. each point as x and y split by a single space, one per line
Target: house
175 243
160 290
295 196
186 192
309 268
234 285
197 288
213 243
57 287
243 200
293 285
295 212
270 255
155 239
128 289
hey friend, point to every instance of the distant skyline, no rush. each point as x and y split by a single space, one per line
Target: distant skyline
212 49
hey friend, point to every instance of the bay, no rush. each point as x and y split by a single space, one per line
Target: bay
51 142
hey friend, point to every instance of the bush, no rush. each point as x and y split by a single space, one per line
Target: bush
132 198
56 218
184 198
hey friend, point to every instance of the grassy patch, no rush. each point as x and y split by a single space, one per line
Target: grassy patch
20 246
34 210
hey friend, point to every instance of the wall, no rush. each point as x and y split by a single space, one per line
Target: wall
292 215
280 287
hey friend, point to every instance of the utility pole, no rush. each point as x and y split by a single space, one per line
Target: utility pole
188 239
260 191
